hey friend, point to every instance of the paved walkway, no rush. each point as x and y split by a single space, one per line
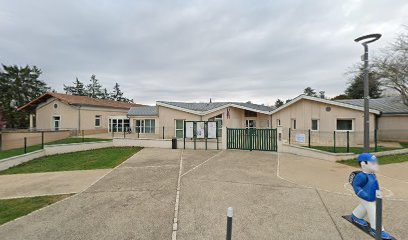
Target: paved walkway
49 183
137 200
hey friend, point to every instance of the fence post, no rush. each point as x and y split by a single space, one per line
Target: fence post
378 213
310 132
83 136
124 133
348 141
163 132
334 141
113 131
25 144
376 140
138 132
230 213
289 135
1 140
42 140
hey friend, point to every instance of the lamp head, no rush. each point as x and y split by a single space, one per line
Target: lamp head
368 38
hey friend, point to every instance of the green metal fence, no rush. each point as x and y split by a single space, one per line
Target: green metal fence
252 139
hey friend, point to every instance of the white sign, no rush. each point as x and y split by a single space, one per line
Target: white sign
189 129
200 129
300 138
212 129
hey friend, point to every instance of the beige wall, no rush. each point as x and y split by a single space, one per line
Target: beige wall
69 116
167 117
305 110
393 128
12 140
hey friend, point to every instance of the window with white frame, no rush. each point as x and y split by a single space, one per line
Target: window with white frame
250 123
179 128
145 126
344 125
293 124
315 125
278 123
98 120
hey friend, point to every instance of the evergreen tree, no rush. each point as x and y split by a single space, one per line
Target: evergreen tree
77 89
105 94
310 92
94 89
117 95
18 86
278 103
355 89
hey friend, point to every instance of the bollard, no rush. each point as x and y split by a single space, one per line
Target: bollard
163 132
229 223
378 213
25 145
42 140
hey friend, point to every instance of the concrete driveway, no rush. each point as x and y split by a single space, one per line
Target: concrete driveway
48 183
137 200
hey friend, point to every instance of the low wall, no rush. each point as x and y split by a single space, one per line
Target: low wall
154 143
75 147
14 161
314 153
15 139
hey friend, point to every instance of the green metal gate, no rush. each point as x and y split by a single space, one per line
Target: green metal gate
252 139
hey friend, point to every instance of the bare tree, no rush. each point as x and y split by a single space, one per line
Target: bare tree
393 65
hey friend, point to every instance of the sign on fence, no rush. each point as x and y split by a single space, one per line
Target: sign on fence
200 129
189 130
212 130
301 138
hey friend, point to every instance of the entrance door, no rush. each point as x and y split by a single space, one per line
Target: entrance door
252 139
56 120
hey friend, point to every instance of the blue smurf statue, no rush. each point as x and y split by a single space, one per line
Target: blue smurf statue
365 185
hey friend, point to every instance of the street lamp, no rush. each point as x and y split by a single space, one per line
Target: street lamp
365 40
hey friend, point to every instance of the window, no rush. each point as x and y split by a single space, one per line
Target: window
218 119
250 113
179 128
278 122
249 123
315 124
55 106
56 122
97 120
146 126
293 124
344 124
116 123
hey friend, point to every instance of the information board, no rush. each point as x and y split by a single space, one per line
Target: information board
200 129
212 130
300 138
189 130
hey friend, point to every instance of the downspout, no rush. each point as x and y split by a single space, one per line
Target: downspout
79 120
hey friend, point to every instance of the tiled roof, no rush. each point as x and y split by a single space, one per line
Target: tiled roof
143 111
203 107
387 105
78 100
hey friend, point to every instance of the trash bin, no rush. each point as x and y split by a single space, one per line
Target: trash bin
174 143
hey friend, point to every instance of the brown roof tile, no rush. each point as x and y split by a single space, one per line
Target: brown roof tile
78 100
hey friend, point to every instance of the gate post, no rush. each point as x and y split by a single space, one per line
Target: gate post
279 140
224 138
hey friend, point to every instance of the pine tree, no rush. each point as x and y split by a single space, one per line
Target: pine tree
278 103
355 89
19 85
77 89
105 94
94 89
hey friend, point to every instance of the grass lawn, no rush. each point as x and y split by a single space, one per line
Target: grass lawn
352 149
13 208
382 160
404 144
94 159
20 151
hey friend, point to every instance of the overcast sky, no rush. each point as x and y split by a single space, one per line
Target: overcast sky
196 50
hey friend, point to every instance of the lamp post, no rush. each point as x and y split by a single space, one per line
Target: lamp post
365 40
